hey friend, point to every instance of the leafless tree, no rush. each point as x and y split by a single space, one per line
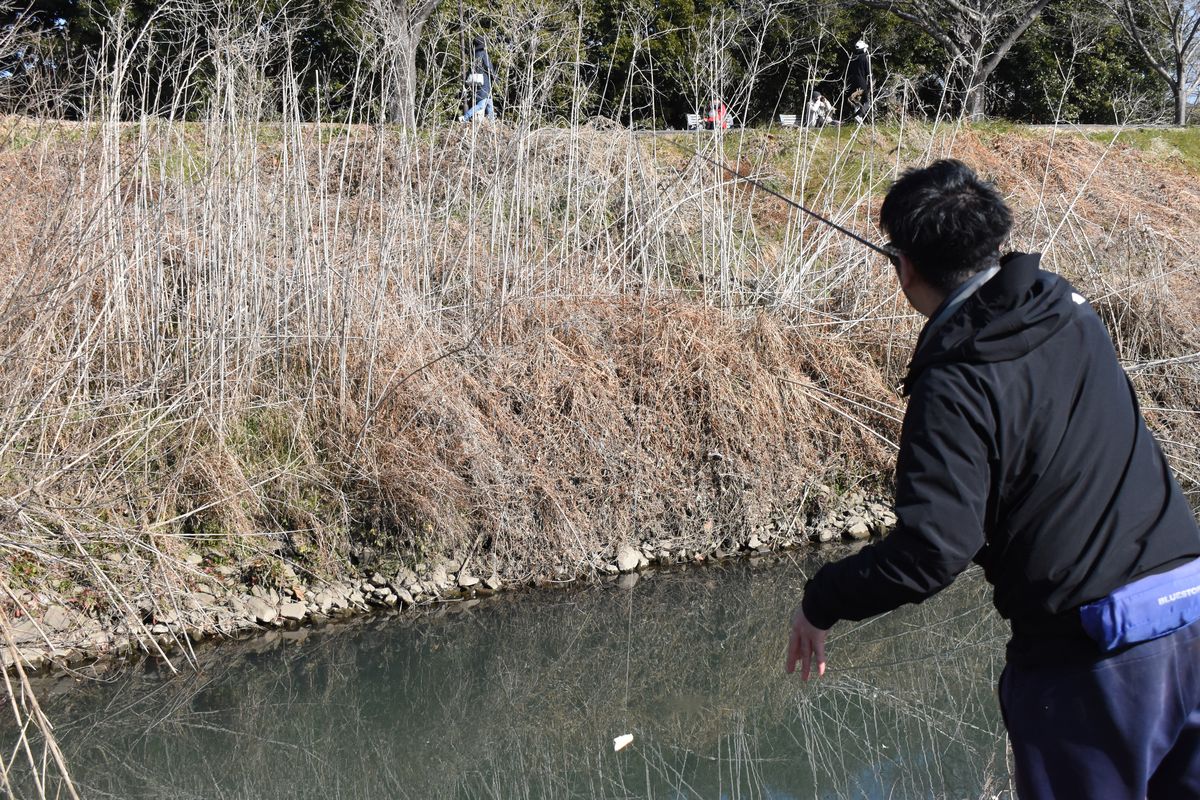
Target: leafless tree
1167 32
977 35
395 27
736 34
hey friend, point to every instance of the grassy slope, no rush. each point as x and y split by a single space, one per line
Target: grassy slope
1175 148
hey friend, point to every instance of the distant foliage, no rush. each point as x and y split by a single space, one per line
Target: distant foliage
1075 64
644 63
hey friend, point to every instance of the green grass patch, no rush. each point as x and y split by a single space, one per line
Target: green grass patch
1175 145
18 139
179 165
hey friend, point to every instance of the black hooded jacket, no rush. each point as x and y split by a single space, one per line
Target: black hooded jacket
1023 449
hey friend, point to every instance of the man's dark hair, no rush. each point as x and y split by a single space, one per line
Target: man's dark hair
946 220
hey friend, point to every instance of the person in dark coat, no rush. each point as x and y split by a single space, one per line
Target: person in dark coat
1023 449
858 82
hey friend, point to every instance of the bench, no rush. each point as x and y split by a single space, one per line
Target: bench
695 122
787 120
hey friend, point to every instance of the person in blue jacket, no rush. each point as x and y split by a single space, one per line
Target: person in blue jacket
1023 449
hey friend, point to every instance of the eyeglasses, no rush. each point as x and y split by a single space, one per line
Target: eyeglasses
892 253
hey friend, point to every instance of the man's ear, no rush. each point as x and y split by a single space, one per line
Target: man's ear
906 272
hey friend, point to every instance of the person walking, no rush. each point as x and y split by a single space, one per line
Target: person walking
479 83
1023 449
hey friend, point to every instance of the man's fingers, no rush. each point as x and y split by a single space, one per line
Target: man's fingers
793 651
806 644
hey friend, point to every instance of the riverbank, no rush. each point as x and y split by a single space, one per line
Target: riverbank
61 638
258 374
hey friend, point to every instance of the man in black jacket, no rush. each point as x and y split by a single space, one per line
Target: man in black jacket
858 82
1023 449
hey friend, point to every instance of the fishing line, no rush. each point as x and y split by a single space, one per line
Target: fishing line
883 250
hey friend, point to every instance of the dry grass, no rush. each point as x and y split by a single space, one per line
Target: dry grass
421 345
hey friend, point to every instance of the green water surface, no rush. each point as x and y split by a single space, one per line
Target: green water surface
522 695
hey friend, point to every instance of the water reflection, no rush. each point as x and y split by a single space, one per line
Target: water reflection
521 698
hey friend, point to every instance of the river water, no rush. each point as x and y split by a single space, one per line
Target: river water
522 695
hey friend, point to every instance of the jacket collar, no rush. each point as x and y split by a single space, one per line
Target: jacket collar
994 303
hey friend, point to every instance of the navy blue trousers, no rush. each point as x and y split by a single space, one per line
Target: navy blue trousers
1127 726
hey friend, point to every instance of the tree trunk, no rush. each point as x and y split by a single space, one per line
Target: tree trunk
966 30
977 88
400 108
400 25
1181 106
975 103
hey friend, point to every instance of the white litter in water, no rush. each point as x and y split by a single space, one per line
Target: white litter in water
622 741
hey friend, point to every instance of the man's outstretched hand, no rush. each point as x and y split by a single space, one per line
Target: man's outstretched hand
807 643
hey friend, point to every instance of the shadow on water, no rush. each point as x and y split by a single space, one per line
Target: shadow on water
521 698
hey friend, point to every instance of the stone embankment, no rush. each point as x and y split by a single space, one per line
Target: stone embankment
53 632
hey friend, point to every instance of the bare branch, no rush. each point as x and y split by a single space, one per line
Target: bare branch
1013 35
976 34
1167 34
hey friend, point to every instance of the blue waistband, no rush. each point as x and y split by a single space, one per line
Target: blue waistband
1146 609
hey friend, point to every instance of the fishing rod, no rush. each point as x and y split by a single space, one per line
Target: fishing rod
884 250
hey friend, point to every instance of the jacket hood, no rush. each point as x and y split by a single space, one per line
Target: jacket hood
1014 312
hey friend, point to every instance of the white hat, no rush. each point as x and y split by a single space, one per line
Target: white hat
860 45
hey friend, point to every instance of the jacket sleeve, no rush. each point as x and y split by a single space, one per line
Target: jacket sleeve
943 476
